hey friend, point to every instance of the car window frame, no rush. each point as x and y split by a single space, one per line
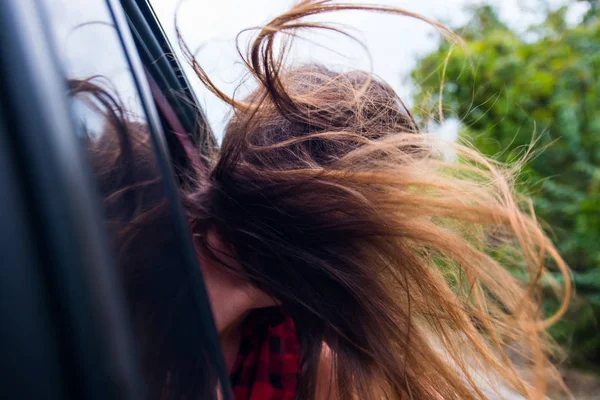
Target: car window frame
127 27
161 61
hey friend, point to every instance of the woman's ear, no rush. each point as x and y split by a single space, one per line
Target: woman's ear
326 389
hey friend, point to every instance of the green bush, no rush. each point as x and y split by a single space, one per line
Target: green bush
509 88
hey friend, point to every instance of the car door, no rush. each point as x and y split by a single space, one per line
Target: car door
113 272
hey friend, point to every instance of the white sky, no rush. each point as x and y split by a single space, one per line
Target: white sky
394 42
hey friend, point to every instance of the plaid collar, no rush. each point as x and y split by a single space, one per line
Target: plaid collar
268 363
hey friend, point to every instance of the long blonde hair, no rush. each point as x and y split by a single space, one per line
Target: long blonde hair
400 259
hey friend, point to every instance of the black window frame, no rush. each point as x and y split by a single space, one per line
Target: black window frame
159 58
129 20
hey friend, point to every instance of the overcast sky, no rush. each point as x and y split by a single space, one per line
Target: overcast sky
395 43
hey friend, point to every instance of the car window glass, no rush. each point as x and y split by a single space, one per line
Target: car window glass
111 121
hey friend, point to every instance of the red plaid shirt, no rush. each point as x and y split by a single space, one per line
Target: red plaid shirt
268 362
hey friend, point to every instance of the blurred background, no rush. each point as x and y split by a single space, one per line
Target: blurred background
530 72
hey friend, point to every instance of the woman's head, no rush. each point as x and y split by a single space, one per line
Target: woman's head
394 255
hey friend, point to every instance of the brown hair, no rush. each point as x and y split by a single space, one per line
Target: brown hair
396 257
171 340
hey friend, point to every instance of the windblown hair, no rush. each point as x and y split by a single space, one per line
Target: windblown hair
171 341
393 255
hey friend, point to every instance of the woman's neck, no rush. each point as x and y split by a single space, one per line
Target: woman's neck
231 297
230 338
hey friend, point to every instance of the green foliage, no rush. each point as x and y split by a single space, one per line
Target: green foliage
509 89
